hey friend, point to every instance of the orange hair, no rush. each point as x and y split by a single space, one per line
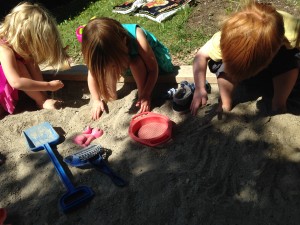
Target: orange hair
250 39
105 52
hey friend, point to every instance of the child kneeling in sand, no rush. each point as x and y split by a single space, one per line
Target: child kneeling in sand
28 37
109 49
257 42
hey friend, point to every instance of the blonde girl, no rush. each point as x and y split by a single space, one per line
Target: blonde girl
28 38
109 49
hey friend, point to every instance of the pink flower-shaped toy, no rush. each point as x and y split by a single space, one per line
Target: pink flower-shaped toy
87 136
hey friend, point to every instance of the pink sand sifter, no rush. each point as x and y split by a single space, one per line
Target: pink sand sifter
150 128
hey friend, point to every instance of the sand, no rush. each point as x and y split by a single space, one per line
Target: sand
239 168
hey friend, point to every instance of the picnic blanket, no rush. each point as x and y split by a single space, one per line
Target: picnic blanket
156 10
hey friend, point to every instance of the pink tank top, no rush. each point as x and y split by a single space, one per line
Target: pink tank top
8 95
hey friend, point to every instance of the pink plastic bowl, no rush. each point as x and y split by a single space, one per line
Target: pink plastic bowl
150 128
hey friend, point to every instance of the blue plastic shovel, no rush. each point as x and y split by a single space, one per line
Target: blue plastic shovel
40 137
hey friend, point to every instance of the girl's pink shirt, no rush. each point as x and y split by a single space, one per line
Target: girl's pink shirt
8 95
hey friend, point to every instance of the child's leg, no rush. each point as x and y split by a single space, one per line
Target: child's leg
226 89
283 86
39 97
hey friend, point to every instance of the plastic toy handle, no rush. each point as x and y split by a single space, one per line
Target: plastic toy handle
104 168
78 32
116 179
59 169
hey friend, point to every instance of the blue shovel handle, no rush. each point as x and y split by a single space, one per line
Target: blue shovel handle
103 167
59 169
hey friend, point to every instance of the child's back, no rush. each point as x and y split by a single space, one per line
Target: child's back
257 41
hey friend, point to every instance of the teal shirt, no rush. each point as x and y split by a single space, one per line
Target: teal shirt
162 54
131 29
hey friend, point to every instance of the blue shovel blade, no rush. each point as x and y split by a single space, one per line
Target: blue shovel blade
39 135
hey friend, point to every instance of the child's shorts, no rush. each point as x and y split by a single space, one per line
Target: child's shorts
285 60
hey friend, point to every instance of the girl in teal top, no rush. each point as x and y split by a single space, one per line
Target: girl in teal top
109 49
161 53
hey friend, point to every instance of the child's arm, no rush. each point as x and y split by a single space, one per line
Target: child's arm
199 70
98 105
147 55
20 80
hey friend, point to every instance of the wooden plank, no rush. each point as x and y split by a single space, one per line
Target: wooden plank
79 73
76 73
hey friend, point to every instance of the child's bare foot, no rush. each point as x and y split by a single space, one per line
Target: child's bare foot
50 104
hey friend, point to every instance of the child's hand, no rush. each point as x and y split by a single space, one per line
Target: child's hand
199 99
144 104
55 85
97 109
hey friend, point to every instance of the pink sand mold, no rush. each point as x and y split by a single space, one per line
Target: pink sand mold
87 136
87 130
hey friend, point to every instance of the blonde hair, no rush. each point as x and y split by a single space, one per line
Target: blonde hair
32 33
105 52
250 39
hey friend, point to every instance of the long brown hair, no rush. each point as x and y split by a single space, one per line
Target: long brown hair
250 38
105 52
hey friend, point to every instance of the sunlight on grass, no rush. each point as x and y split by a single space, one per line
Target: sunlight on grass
172 32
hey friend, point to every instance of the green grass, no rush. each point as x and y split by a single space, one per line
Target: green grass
172 32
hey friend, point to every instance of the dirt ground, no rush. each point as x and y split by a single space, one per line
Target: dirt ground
239 168
208 15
